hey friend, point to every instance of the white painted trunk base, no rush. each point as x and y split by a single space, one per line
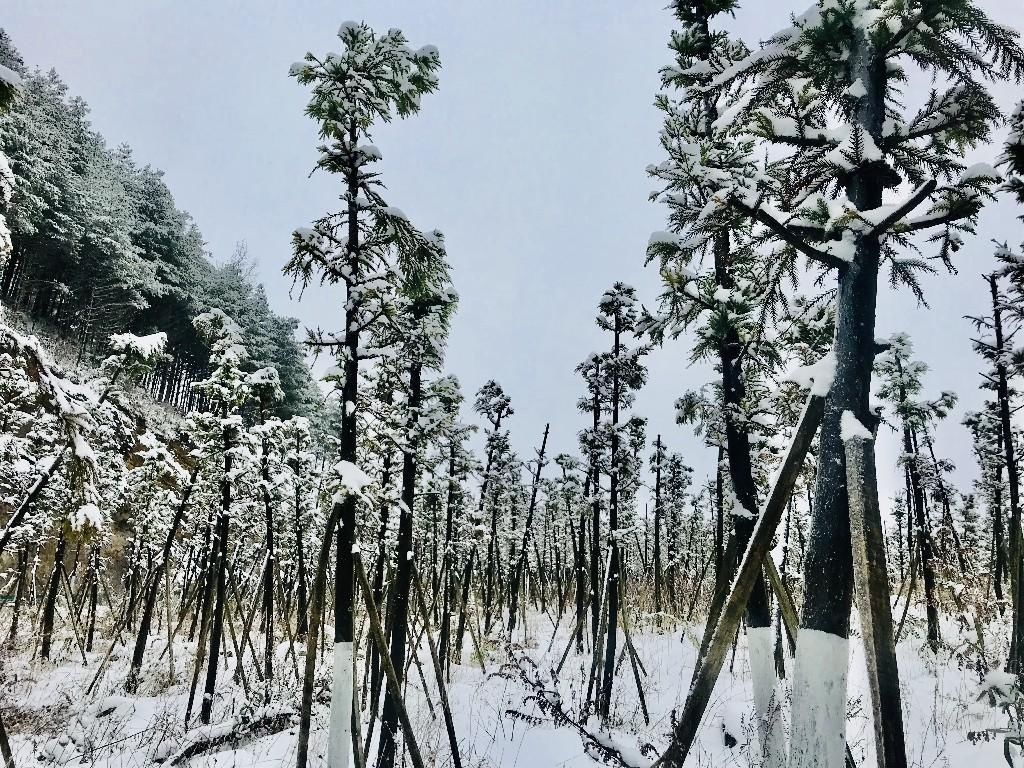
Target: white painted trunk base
819 701
339 734
767 697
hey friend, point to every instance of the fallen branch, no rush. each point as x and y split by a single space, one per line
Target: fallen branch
599 746
234 732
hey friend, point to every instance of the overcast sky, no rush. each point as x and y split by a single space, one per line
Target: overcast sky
530 158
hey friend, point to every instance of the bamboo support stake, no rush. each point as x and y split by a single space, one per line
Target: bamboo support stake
749 571
442 692
5 746
385 660
871 580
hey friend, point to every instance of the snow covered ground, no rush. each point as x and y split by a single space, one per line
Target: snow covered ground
54 722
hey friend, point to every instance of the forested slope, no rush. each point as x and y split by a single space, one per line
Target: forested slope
99 247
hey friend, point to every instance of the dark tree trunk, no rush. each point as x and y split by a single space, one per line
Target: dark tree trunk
1016 661
595 520
448 563
467 576
581 568
268 571
218 573
922 532
19 594
403 572
153 586
94 592
520 563
50 601
614 564
300 558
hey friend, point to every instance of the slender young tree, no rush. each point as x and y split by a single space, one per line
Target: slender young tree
657 465
618 314
849 141
226 390
718 285
374 78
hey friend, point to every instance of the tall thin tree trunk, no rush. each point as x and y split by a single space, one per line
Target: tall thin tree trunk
50 602
387 748
219 566
520 563
819 681
1015 663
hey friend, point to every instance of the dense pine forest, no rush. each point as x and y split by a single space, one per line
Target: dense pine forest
217 550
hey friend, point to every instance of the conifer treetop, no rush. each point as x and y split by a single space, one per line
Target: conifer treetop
374 77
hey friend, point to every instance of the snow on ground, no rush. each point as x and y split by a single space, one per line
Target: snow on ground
53 722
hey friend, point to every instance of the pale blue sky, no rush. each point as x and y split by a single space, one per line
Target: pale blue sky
530 158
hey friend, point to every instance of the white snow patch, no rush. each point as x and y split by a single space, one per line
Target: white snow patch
394 213
856 89
146 347
818 731
761 649
851 427
9 76
352 478
817 377
87 514
980 171
339 736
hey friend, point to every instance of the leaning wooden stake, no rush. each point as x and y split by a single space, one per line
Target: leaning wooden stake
442 690
5 746
748 572
871 581
787 607
385 660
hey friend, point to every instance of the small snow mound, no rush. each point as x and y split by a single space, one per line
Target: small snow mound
87 515
816 377
980 171
850 427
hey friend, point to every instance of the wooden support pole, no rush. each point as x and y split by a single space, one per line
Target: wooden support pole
871 582
749 571
442 691
385 658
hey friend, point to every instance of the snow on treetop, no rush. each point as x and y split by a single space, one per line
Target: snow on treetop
146 347
216 322
394 213
10 77
265 375
266 383
87 515
352 479
435 238
662 237
369 151
348 27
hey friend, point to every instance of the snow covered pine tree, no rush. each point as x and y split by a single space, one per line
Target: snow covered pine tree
374 78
